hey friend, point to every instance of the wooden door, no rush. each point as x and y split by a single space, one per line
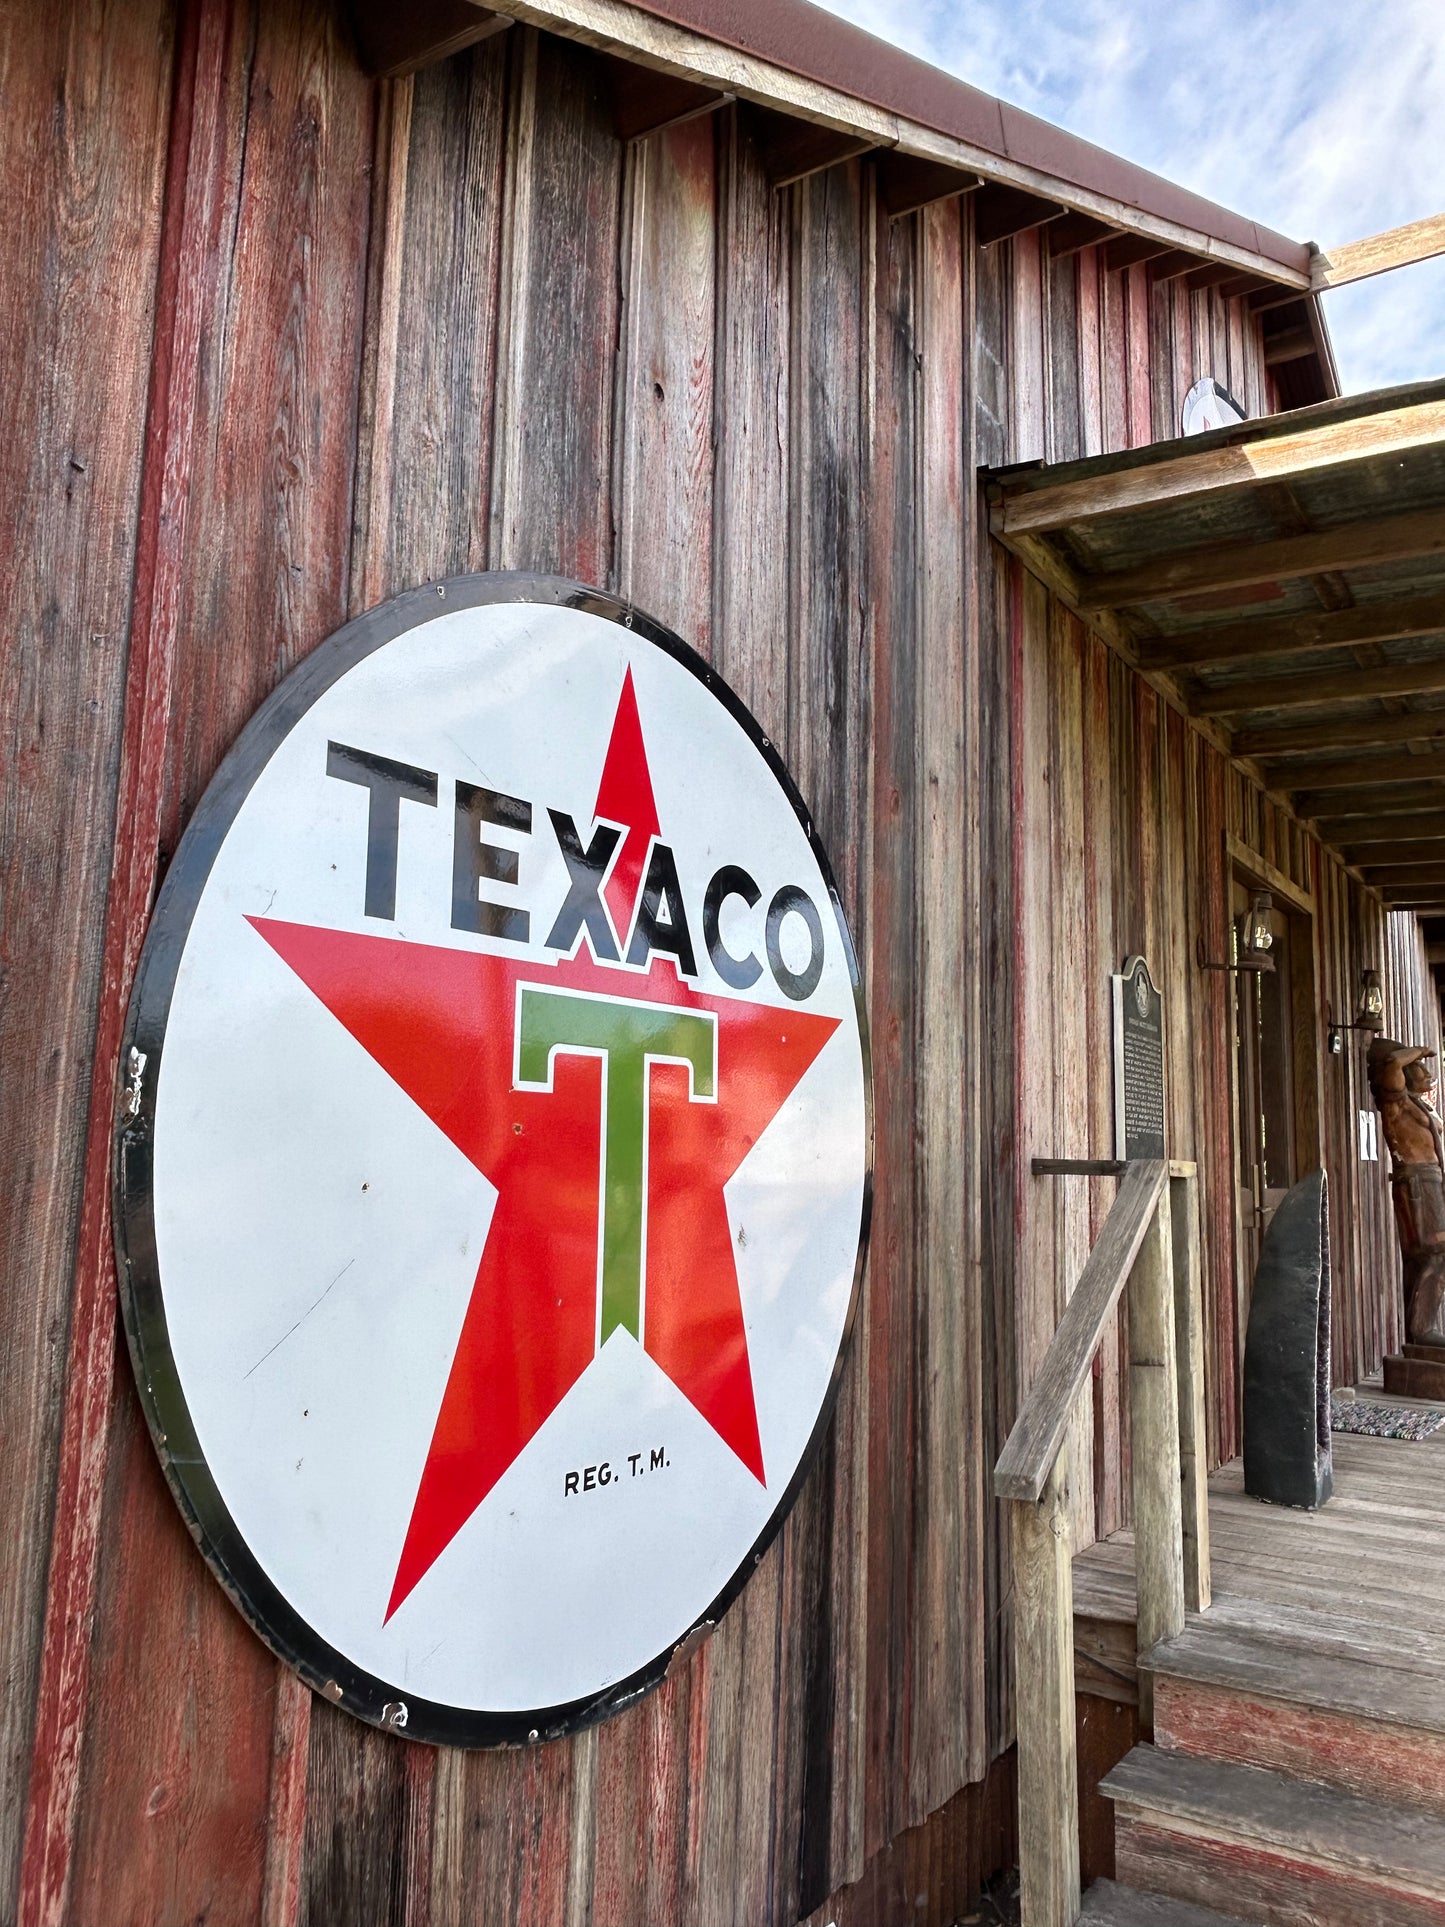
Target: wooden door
1267 1099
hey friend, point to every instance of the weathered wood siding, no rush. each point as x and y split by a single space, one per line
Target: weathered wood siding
285 341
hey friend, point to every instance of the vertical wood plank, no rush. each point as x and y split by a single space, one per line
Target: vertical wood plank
552 457
250 572
828 709
948 1744
83 145
651 1756
741 1827
892 1284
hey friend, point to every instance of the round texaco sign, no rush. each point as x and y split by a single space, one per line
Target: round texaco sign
493 1159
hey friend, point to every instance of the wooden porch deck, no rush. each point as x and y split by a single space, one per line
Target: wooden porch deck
1344 1605
1297 1770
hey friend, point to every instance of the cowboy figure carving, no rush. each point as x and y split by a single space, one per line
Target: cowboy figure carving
1403 1083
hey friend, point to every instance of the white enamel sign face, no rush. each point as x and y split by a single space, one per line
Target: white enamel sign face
493 1159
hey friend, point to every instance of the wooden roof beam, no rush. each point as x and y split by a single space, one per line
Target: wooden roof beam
1075 232
645 101
1211 274
1352 772
1243 284
1411 830
1386 802
1250 460
1404 876
1324 686
1404 853
1290 344
1398 247
1399 538
1295 635
1130 249
1170 266
1001 212
791 150
906 182
1354 732
393 40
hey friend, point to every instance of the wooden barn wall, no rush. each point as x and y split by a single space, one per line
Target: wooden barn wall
1117 836
285 341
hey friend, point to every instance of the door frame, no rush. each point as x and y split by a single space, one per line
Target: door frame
1307 1034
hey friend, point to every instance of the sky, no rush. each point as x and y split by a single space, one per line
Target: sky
1323 120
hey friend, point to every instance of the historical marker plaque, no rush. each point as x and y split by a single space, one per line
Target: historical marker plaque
492 1170
1138 1063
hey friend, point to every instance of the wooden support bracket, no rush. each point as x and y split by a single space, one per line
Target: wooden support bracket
907 182
1000 212
644 101
792 149
393 40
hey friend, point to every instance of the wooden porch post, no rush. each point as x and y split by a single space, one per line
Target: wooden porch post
1047 1746
1154 1409
1189 1343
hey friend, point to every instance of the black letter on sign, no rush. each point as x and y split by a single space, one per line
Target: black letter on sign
802 983
475 862
388 783
585 871
651 932
730 881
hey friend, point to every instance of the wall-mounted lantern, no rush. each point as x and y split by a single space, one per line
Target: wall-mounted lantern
1253 937
1369 1016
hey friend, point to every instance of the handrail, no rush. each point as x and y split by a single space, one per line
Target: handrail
1038 1433
1150 1242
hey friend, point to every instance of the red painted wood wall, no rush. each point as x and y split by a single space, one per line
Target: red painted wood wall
282 340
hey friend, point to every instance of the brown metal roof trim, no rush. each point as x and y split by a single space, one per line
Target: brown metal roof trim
819 47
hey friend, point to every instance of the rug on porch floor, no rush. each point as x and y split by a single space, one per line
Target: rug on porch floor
1376 1421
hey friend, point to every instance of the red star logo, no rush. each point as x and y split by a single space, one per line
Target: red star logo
445 1024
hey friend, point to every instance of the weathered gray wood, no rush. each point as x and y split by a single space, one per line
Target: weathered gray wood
1306 1665
1047 1749
1107 1904
1312 1823
1396 538
1033 1444
1294 635
1154 1412
1189 1353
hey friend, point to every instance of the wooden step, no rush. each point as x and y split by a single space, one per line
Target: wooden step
1107 1904
1359 1708
1288 1852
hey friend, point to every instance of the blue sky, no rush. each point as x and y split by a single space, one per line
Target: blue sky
1322 120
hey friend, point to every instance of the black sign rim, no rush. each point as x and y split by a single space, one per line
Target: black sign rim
269 1614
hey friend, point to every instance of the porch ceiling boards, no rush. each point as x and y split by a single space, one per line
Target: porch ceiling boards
1285 580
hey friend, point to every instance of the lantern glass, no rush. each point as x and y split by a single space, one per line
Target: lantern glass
1258 937
1372 1000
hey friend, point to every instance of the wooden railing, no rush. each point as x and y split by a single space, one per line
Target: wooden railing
1150 1241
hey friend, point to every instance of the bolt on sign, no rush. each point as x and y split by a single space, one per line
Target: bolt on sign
492 1167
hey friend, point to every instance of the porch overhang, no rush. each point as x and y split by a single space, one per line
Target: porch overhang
1284 581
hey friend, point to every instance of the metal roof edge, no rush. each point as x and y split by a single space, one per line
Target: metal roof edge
908 103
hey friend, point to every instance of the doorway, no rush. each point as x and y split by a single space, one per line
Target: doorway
1276 1073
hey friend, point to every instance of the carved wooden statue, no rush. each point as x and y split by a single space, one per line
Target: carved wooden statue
1402 1080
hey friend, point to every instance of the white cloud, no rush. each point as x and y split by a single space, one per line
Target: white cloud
1321 121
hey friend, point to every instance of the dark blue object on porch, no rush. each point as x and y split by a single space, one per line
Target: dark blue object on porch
1287 1449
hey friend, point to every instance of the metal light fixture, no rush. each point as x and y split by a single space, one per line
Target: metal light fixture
1370 1016
1254 940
